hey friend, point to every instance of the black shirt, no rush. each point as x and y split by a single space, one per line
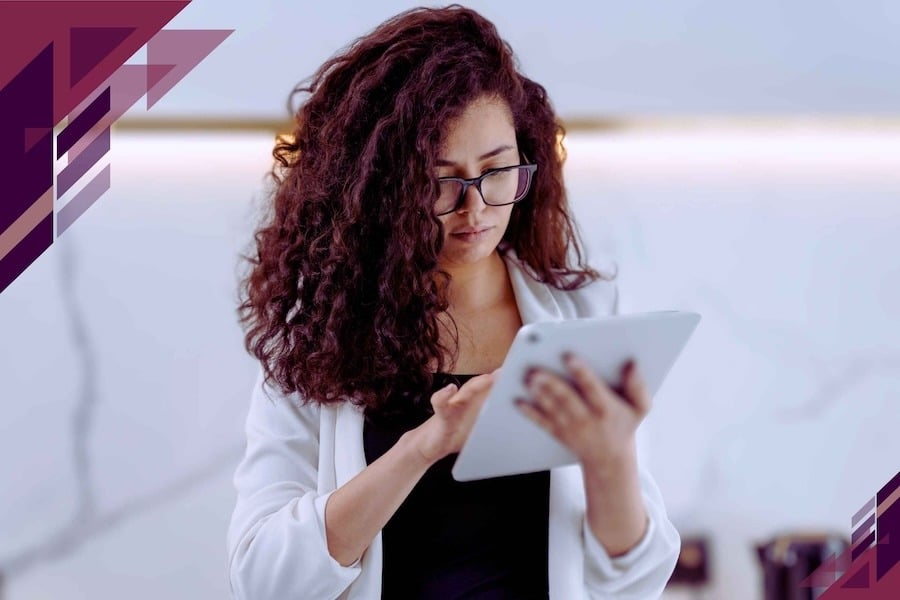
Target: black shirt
484 539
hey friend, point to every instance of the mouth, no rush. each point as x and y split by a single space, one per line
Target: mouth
472 235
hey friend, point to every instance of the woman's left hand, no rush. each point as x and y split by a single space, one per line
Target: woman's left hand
596 422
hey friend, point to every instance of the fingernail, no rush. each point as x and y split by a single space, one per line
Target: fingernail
574 361
529 375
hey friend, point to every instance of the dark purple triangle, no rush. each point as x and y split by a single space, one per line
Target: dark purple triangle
88 46
860 579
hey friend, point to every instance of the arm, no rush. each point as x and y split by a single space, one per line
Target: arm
615 509
282 542
361 508
276 540
643 571
630 546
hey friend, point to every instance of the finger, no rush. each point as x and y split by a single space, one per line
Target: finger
536 414
560 401
596 393
635 389
472 389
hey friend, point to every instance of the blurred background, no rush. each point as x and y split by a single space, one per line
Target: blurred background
740 160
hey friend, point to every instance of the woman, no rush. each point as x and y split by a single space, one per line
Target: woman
419 220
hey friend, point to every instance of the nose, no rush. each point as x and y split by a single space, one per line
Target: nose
472 201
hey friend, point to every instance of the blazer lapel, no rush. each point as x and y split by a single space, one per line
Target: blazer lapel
349 456
534 300
350 459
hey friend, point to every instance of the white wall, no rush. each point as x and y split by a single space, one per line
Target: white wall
595 58
777 416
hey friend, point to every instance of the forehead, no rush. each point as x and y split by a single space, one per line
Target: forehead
485 124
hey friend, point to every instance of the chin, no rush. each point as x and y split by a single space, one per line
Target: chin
456 252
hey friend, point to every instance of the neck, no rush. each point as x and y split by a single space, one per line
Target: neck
479 286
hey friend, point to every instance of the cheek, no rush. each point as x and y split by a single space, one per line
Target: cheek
506 217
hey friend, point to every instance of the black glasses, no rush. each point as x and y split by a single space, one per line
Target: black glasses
498 187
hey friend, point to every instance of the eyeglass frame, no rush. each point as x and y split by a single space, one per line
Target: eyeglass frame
476 181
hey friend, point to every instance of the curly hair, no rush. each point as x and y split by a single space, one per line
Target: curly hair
342 299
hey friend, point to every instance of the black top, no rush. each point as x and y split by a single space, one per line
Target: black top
484 539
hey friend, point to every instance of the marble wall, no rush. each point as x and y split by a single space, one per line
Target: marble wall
125 383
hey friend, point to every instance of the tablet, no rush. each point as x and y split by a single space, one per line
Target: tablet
504 441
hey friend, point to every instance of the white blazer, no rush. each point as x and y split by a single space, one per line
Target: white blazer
296 456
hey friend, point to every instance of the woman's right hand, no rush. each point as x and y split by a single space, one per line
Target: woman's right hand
455 410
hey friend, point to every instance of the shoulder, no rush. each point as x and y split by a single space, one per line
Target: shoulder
593 299
278 413
597 298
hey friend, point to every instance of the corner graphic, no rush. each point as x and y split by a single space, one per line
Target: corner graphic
65 60
868 568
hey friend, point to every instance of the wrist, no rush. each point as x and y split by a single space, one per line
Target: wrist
612 467
415 441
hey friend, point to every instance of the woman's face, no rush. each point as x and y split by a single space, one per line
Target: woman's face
482 138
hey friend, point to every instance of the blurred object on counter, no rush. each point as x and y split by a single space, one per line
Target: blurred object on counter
693 562
789 558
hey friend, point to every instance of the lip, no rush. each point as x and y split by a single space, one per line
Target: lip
472 236
469 230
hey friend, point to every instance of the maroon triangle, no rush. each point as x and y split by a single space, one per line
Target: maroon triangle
155 73
860 579
88 46
33 135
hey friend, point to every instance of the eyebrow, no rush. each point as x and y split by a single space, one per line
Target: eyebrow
447 163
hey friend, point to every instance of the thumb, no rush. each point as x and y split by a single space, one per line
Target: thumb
445 393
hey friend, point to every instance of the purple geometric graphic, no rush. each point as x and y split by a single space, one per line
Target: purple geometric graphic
888 527
858 580
81 63
128 85
864 544
87 159
80 125
27 221
25 239
34 135
65 58
867 508
868 568
864 528
57 53
183 49
89 46
28 97
75 207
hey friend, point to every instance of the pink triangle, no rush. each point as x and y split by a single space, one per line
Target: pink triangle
88 46
155 74
183 48
33 135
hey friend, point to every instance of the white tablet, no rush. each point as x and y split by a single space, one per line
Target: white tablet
504 441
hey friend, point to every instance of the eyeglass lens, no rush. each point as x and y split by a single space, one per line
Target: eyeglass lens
500 187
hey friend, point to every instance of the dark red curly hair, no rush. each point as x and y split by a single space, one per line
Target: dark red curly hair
342 298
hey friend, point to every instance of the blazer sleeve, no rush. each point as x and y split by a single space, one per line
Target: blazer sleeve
642 572
276 539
